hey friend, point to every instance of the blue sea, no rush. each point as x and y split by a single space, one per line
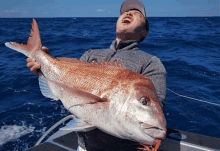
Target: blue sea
189 48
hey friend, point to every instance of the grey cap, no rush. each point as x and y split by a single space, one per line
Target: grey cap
134 5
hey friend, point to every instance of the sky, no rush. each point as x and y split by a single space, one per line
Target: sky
106 8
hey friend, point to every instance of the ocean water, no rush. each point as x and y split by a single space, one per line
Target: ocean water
188 47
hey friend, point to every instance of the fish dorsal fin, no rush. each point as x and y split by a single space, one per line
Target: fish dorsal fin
70 60
110 63
78 125
33 43
97 64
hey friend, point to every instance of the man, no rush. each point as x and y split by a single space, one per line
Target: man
131 29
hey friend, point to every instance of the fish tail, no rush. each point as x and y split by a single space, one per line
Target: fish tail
33 43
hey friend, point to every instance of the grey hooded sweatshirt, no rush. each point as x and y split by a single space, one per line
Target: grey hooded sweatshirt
134 60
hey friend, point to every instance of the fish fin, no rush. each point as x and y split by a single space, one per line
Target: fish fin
86 96
45 90
100 64
69 60
78 125
118 64
33 43
114 64
18 47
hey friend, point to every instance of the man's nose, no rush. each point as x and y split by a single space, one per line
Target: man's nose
129 14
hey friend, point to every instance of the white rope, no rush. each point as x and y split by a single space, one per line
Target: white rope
193 98
54 126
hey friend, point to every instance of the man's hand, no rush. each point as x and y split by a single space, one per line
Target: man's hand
33 65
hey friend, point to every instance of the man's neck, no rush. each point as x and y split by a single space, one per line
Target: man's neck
123 38
117 41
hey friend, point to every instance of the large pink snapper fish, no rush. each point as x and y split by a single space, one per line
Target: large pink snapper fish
105 95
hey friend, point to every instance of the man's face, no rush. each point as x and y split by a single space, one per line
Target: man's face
130 24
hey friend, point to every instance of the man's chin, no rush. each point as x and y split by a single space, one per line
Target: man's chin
122 30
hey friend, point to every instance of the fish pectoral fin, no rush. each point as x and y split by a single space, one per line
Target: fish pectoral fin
45 89
88 98
67 92
78 125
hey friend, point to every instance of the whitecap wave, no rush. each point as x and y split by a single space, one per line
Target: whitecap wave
13 132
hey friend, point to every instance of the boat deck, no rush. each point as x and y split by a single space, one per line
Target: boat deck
176 140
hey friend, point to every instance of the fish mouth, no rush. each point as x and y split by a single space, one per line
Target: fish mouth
155 132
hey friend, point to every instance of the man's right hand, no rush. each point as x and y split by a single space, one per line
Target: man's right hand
33 65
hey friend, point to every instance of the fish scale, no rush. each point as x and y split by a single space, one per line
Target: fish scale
119 102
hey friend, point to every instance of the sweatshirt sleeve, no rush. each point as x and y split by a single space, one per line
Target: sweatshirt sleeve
86 55
155 71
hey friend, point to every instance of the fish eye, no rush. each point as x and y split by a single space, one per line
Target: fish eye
145 101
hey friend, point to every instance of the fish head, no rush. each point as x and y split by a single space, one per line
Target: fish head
141 115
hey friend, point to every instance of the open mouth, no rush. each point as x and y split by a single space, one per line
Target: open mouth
127 20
